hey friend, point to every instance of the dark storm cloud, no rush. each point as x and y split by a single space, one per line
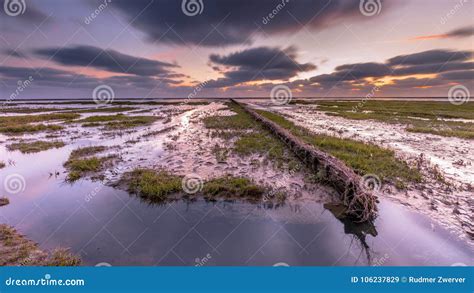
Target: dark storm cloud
463 32
430 57
230 22
66 79
261 63
459 75
428 62
109 60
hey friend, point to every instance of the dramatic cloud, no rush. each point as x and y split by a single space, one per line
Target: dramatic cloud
109 60
233 21
449 64
430 57
463 32
262 63
49 77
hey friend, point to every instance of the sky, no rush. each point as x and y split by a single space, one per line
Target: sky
56 49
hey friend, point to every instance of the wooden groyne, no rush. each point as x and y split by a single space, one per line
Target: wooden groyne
360 204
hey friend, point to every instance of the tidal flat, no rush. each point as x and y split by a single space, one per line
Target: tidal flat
168 183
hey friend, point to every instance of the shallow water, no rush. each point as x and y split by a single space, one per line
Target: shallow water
106 225
103 224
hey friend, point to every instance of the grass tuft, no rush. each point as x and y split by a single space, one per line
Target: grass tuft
35 146
364 158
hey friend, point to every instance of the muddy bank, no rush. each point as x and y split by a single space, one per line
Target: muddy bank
16 250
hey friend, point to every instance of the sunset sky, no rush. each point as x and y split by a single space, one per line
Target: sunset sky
233 48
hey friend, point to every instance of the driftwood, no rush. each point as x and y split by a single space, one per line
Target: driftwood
360 203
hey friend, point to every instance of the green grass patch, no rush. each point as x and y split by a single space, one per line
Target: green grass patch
82 162
251 137
35 146
152 185
364 158
419 116
87 151
106 110
239 121
12 125
160 186
233 188
115 122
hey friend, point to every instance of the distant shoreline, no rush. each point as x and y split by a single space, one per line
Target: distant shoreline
244 98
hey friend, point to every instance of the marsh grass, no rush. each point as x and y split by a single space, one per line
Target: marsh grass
363 158
233 188
419 116
16 250
82 162
32 110
35 146
106 110
250 137
155 186
161 186
117 122
12 125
